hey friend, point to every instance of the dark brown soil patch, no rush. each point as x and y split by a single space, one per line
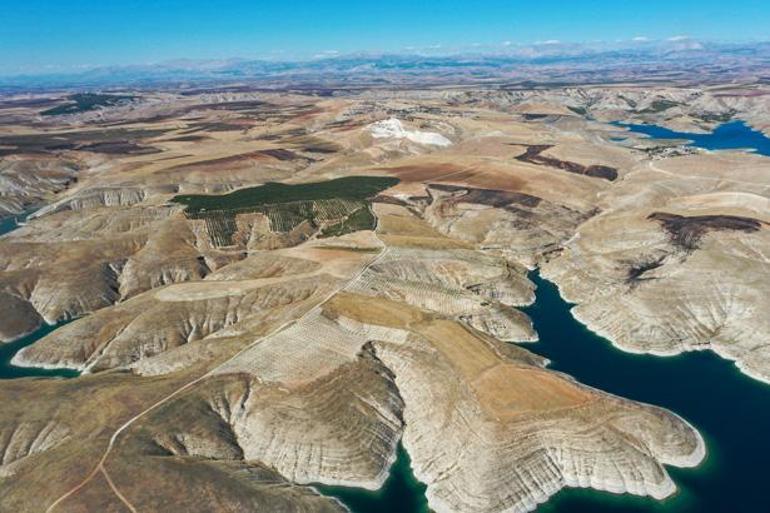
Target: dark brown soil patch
102 141
636 270
534 155
493 198
119 148
240 160
281 154
312 144
685 232
189 138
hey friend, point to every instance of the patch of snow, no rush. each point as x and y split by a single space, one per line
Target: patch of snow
392 128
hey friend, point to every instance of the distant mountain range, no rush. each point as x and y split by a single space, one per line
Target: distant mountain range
547 62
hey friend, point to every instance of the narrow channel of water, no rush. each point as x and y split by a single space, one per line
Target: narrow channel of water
735 135
7 351
8 371
10 223
401 493
731 410
7 224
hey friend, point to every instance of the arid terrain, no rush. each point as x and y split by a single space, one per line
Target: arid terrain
270 290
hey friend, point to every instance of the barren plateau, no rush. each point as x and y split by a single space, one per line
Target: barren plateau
267 293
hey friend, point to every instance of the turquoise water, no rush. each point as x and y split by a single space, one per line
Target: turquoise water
401 493
7 224
735 135
729 409
10 223
8 371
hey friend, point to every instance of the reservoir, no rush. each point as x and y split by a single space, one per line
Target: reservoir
730 410
8 371
401 493
735 135
10 223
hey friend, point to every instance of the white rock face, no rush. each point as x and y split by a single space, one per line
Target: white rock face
490 434
393 129
471 287
663 289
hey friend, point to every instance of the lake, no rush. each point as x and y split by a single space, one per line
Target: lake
10 223
8 371
735 135
730 410
401 493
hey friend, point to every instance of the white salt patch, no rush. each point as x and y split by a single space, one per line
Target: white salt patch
392 128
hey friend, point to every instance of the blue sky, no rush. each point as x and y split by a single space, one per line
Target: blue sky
67 34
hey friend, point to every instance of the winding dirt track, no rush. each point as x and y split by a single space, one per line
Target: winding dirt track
100 465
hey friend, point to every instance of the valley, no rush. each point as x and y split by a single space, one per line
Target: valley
269 299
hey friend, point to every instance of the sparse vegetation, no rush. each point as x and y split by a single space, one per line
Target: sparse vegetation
342 205
83 102
659 106
361 219
722 117
349 187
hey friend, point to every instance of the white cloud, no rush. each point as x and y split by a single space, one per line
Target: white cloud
507 43
640 39
678 38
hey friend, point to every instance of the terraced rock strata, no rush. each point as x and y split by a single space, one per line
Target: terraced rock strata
269 290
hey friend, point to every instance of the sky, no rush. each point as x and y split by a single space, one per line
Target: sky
66 35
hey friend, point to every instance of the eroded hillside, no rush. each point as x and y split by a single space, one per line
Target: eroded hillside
271 290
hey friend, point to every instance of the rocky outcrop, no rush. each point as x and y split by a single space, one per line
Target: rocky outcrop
488 429
486 434
87 199
21 439
340 428
28 182
158 322
680 270
169 256
476 288
22 318
521 224
58 282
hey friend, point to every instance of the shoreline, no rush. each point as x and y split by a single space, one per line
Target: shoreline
657 353
18 361
664 489
16 366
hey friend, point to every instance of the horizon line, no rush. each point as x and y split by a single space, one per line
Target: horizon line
501 49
